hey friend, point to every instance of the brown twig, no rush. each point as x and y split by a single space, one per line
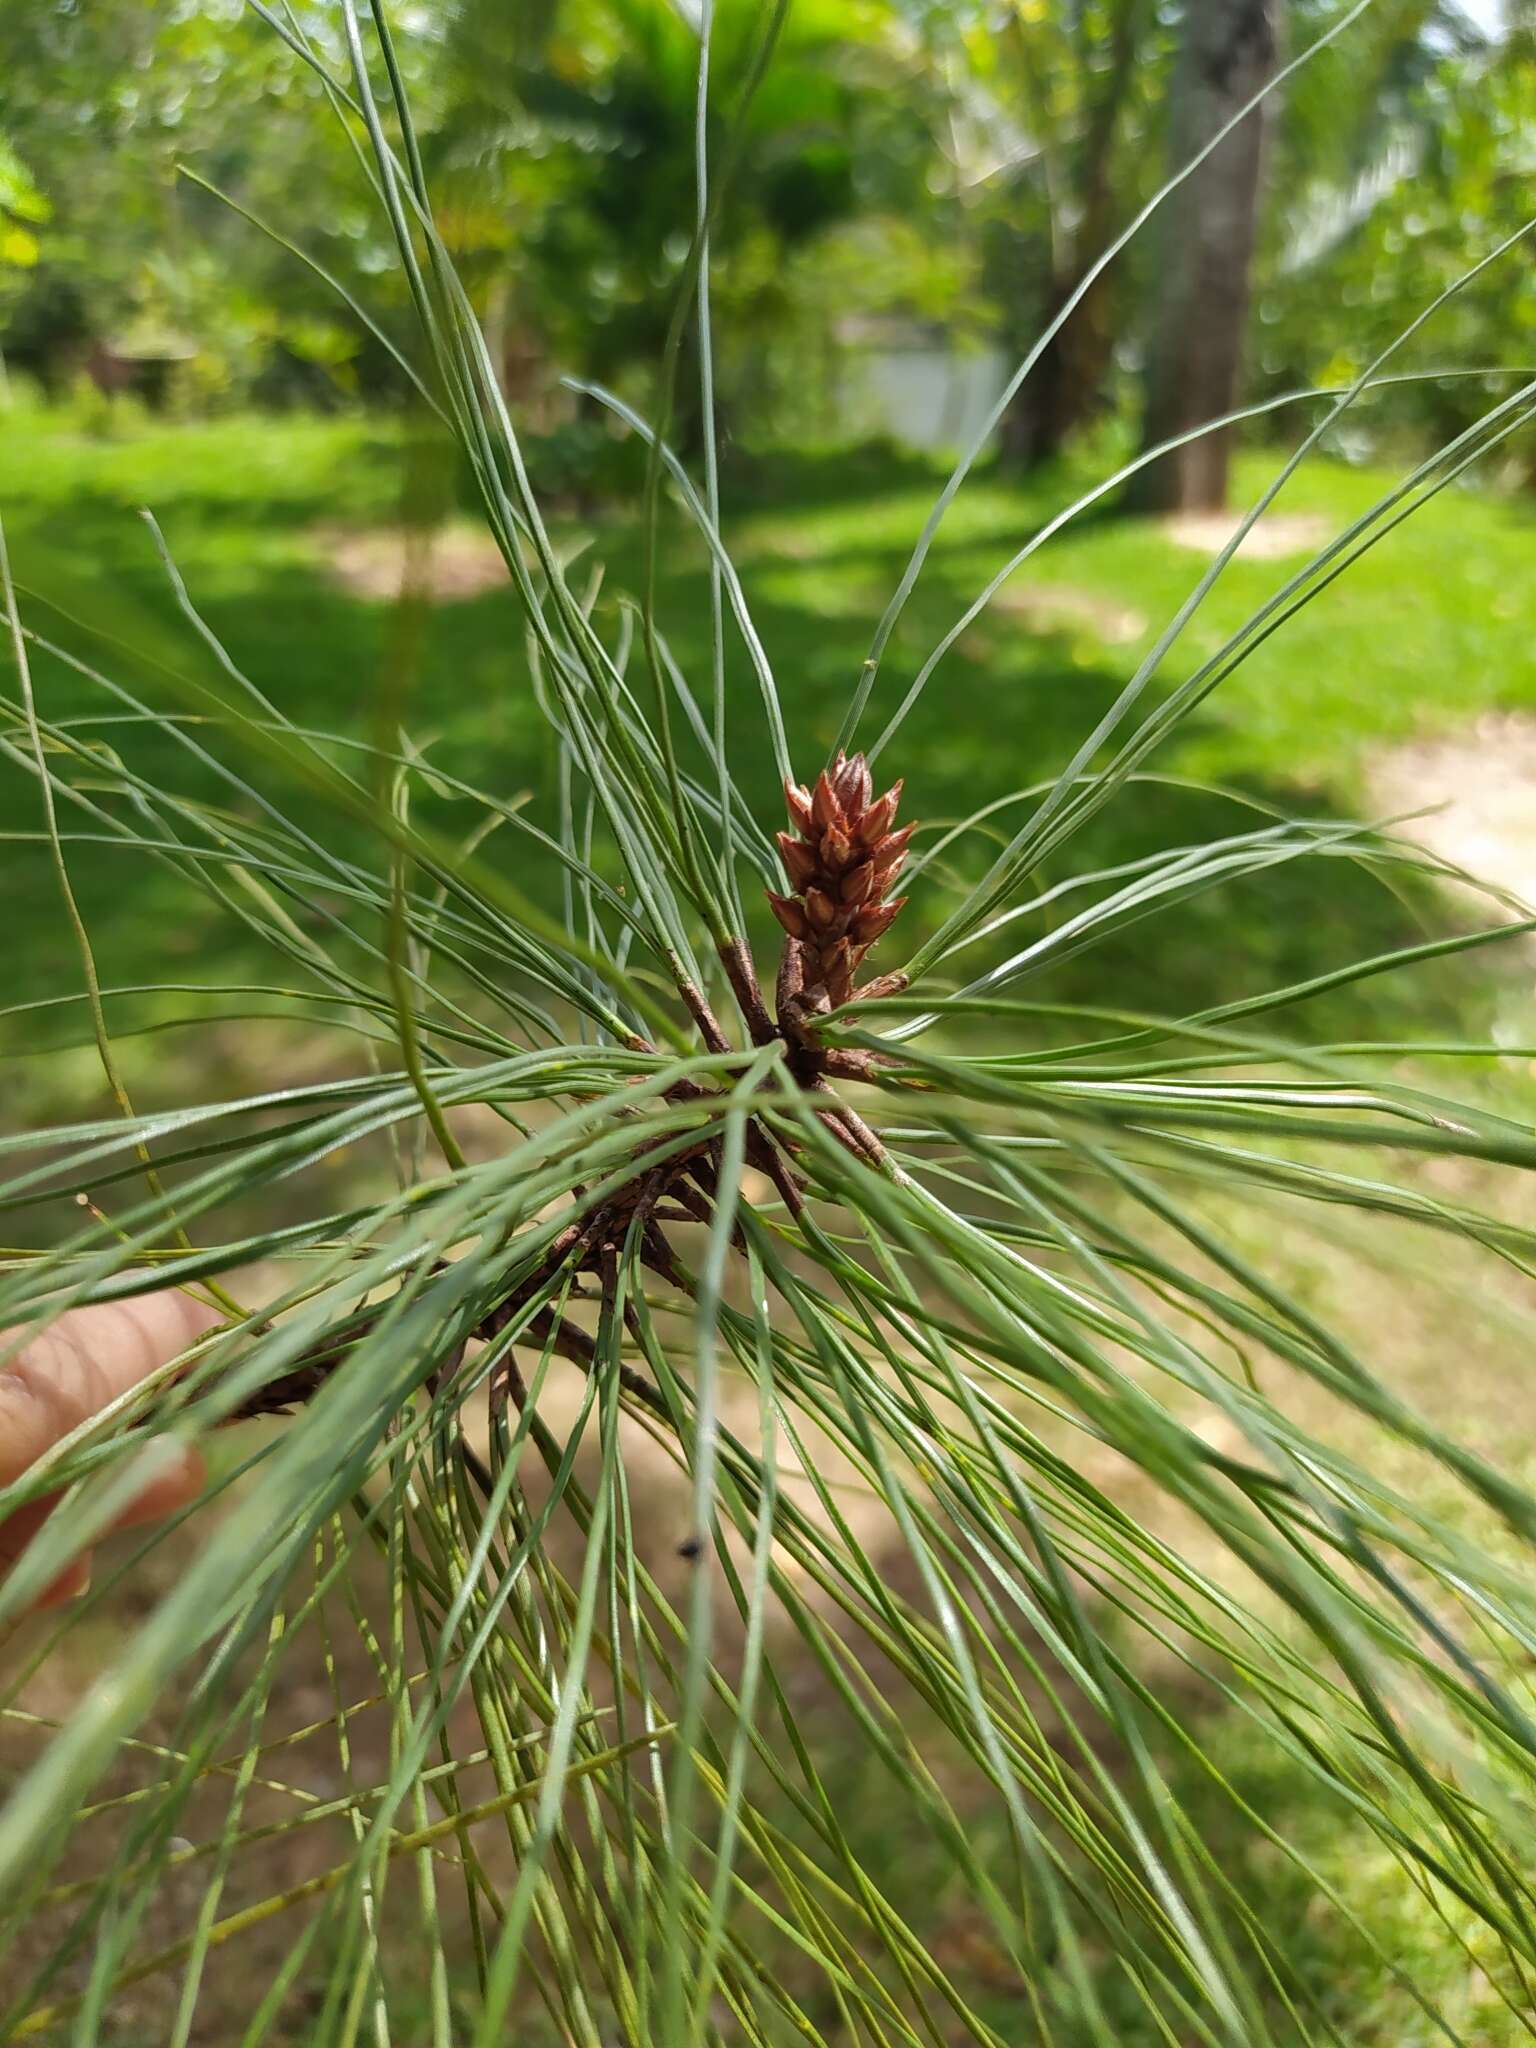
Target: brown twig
697 1006
742 975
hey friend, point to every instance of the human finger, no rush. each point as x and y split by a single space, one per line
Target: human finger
83 1362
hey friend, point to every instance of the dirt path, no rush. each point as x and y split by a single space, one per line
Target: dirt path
1482 782
1273 538
451 563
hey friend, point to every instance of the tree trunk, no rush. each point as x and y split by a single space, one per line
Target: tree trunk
1200 307
1066 386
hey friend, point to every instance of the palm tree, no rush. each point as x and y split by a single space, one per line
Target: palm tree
569 139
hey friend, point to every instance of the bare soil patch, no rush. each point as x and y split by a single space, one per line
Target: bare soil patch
446 566
1481 785
1272 538
1061 607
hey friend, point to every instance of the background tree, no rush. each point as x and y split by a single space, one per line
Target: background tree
958 167
1381 229
23 212
1205 241
104 103
615 106
1084 85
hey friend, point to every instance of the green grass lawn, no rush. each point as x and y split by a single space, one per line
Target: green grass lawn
1434 626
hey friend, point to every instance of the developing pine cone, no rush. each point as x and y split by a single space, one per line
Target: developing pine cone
841 868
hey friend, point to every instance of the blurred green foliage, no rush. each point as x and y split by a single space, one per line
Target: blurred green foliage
1451 181
955 168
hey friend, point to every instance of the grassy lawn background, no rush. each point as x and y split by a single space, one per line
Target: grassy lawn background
1432 627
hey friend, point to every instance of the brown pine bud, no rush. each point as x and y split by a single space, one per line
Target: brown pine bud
856 885
852 782
790 915
799 859
835 848
820 909
885 876
876 820
891 851
871 922
837 966
841 860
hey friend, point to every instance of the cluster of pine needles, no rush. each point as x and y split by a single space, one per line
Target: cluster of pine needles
938 1315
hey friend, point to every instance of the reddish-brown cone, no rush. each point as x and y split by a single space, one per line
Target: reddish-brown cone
840 867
